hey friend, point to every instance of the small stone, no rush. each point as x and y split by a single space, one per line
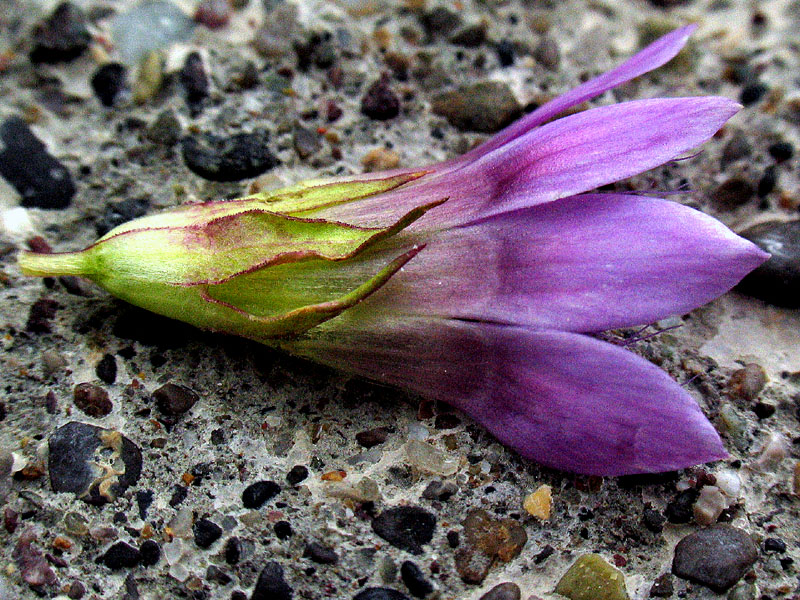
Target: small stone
194 81
405 527
165 130
379 593
173 400
306 142
93 463
733 193
777 281
653 520
271 585
320 554
781 151
505 53
106 369
592 578
75 590
774 450
217 575
744 591
233 158
62 37
275 39
503 591
767 182
709 505
206 532
485 107
380 159
380 102
440 490
440 21
283 530
297 474
150 553
149 26
662 586
92 400
117 213
680 508
149 77
32 564
547 53
41 180
108 81
716 557
233 550
748 382
487 540
774 545
427 457
752 93
372 437
736 148
41 313
214 14
471 36
258 493
538 503
415 580
121 556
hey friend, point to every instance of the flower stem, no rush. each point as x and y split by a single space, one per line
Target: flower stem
46 265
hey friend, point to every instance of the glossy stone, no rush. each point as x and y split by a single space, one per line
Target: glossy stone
716 557
777 281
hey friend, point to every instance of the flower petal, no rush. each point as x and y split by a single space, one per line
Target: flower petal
585 263
653 56
564 400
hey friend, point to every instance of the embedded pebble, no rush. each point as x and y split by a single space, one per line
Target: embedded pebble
440 490
92 400
405 527
777 281
31 562
709 505
538 503
680 508
662 587
547 53
427 457
380 159
233 550
233 158
173 400
214 14
592 578
6 464
165 130
257 494
121 555
194 81
271 585
206 532
39 177
471 36
732 193
117 213
147 26
62 37
93 463
277 33
503 591
150 553
379 593
41 313
320 553
380 102
774 450
486 541
108 82
485 107
415 579
306 142
372 437
297 474
149 77
716 557
748 382
106 369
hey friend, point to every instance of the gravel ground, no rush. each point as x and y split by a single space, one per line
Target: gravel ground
140 458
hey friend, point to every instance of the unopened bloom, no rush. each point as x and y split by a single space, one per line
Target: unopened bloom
478 282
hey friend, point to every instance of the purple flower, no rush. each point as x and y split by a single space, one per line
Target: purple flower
481 281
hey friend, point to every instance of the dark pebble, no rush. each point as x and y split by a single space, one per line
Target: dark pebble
774 545
62 37
214 14
75 449
548 54
108 81
546 552
781 151
92 400
440 490
380 102
233 158
453 539
653 520
217 575
372 437
505 53
764 410
238 595
32 564
405 527
767 182
747 383
174 400
732 193
194 80
150 552
166 129
106 369
777 281
121 556
662 587
179 493
271 585
41 180
379 593
446 421
320 554
736 148
716 557
332 111
440 21
679 510
75 590
4 411
485 107
233 550
41 313
503 591
144 499
206 532
415 580
752 93
306 142
296 474
471 36
283 530
256 494
121 212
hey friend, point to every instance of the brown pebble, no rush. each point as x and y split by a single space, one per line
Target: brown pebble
380 102
41 313
380 159
733 193
173 399
92 400
372 437
748 382
487 540
503 591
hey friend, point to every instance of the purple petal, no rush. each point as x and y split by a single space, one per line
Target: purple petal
653 56
585 263
562 399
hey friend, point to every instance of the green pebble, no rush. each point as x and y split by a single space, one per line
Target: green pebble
592 578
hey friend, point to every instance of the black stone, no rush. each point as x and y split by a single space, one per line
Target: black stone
653 520
40 314
453 539
283 530
781 151
121 212
752 93
774 545
320 554
106 369
179 493
144 498
271 585
297 474
379 593
173 400
662 587
76 448
415 580
716 557
256 494
62 37
546 552
767 182
372 437
41 180
503 591
92 400
380 102
440 21
233 158
405 527
679 510
121 556
194 80
777 281
150 552
214 573
108 81
233 550
206 532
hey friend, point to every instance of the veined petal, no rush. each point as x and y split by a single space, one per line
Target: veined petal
564 400
585 263
653 56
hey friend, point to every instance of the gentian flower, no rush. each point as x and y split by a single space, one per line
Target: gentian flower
481 281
